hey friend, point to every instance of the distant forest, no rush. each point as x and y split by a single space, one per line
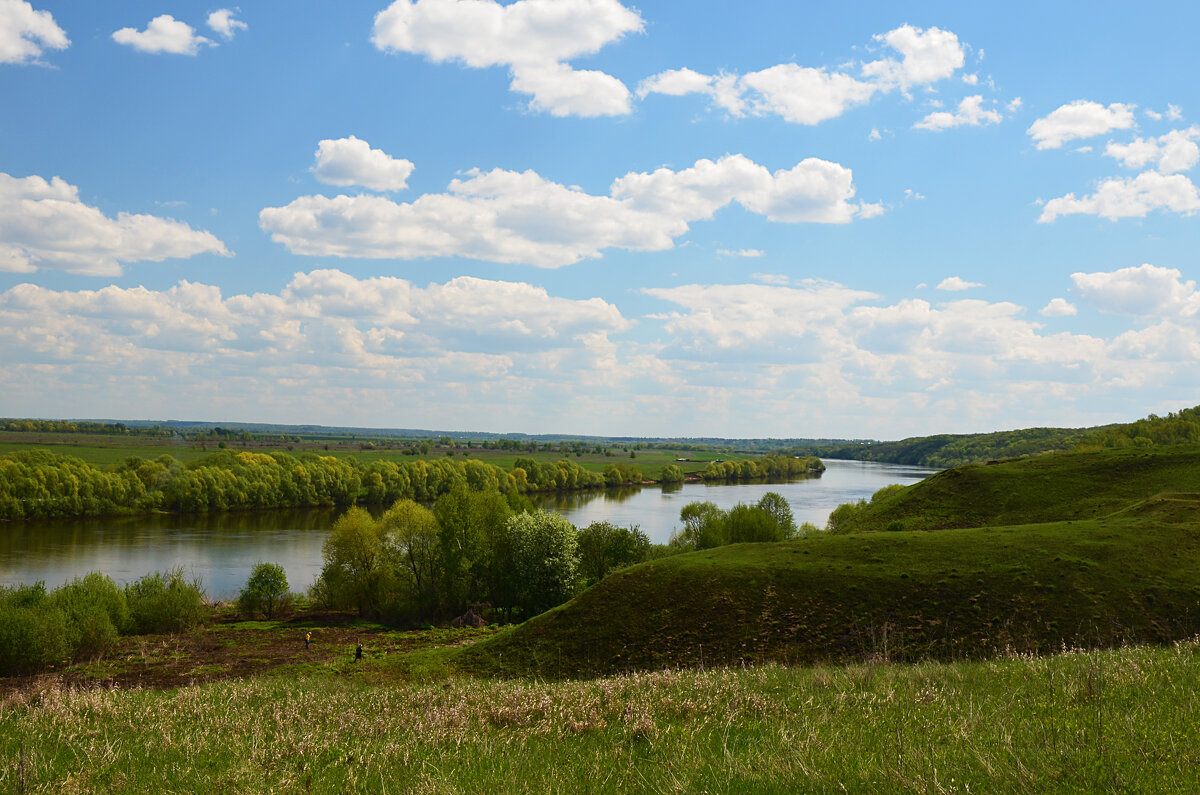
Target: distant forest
950 450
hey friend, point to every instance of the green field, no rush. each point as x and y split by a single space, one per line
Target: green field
1108 721
106 450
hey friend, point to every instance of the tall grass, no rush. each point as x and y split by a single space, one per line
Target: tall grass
1113 721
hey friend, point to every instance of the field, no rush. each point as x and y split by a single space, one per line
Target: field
106 449
1123 720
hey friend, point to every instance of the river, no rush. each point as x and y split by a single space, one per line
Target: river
220 549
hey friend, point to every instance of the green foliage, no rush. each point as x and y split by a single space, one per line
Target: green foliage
622 474
164 602
266 591
670 473
96 612
32 638
545 549
38 483
353 574
706 526
411 549
773 466
1177 428
472 546
604 548
948 450
844 516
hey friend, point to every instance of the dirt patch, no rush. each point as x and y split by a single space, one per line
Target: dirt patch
229 648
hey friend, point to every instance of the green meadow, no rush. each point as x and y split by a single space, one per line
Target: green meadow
1123 720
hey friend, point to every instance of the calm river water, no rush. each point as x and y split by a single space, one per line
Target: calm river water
220 549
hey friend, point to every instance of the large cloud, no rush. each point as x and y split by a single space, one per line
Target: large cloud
810 95
521 217
25 33
1080 119
43 224
533 38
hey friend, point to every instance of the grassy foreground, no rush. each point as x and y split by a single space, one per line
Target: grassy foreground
1124 720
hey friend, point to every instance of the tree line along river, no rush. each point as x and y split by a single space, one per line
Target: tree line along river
221 548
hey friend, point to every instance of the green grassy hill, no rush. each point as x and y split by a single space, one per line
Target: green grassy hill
1060 487
904 596
1090 549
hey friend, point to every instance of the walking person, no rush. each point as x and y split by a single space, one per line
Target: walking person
307 640
358 652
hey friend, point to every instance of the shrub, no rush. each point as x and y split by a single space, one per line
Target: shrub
31 636
96 613
164 602
266 591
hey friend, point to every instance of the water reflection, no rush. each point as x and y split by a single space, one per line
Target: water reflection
219 548
222 548
656 510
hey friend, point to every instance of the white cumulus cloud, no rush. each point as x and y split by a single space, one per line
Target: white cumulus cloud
928 56
970 113
1117 198
956 284
43 224
223 23
521 217
1059 307
810 95
1146 290
352 161
165 33
535 39
675 83
26 33
1173 152
1080 119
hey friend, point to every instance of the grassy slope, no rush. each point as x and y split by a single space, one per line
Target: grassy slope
958 593
1057 487
1095 548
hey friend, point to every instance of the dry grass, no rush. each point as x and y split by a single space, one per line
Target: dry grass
1123 720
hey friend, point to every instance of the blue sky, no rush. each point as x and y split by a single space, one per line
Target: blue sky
582 216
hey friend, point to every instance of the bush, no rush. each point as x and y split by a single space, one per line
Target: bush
266 591
164 602
31 638
96 613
